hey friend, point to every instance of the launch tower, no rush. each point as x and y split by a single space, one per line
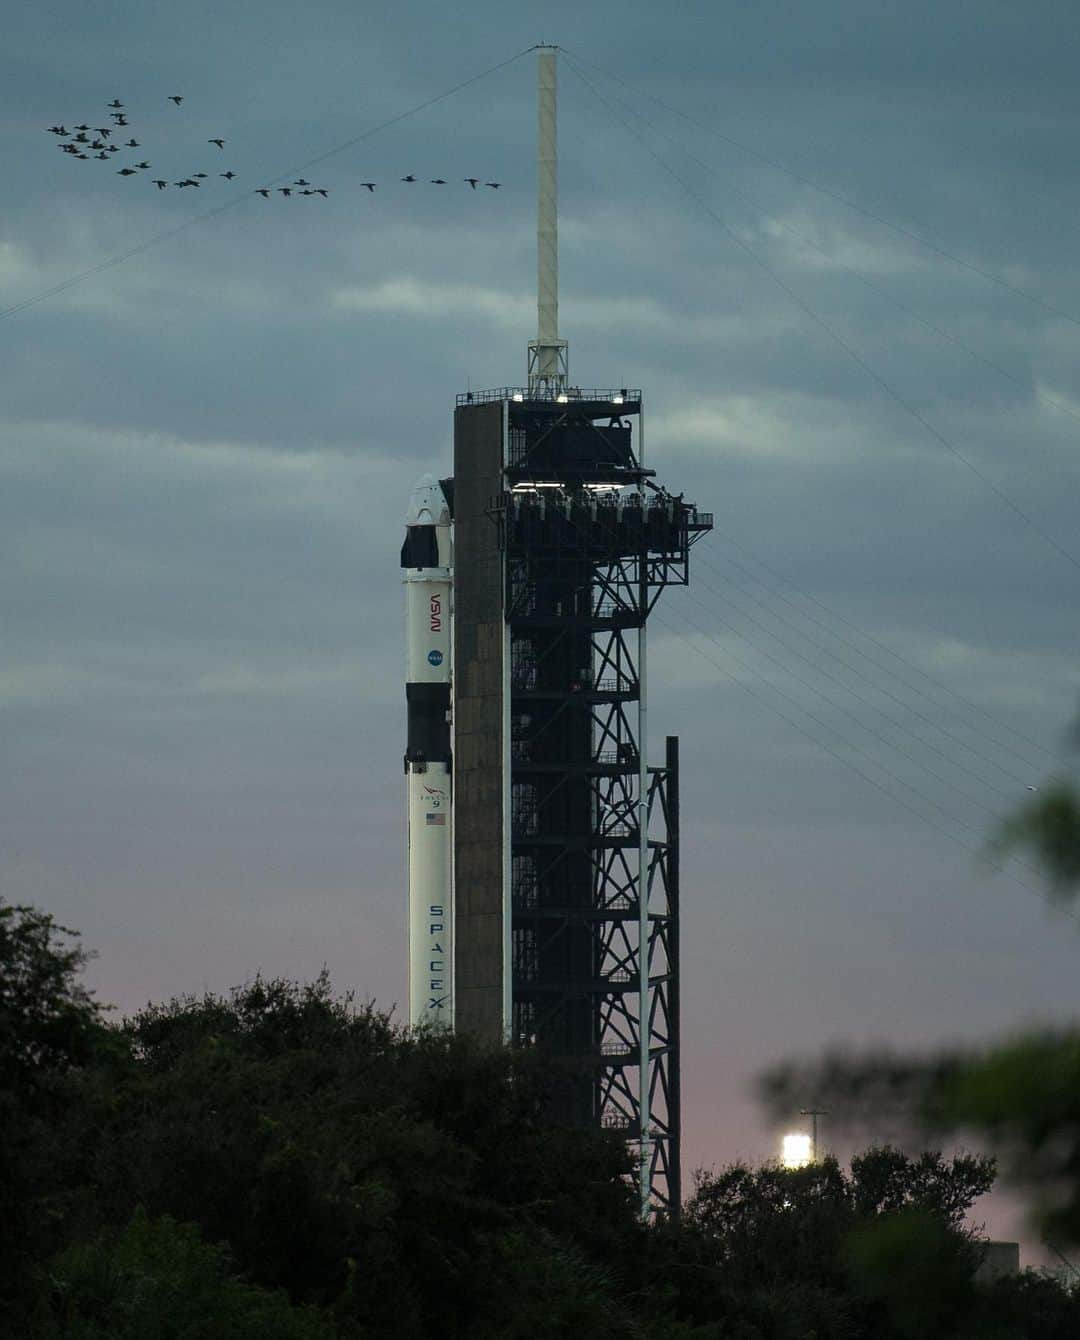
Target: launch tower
565 840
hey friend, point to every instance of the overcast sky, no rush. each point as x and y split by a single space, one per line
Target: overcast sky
205 454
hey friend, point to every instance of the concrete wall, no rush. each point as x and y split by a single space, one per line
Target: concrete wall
478 722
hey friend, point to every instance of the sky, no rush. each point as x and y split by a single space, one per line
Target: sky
778 220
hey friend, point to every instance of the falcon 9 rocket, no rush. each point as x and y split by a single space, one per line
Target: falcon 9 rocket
426 569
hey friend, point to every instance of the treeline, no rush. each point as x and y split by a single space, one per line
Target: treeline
283 1164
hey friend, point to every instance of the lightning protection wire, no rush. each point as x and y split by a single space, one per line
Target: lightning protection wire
820 321
975 850
873 684
842 709
159 238
774 163
852 270
884 647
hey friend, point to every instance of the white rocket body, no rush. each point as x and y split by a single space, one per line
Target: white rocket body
427 572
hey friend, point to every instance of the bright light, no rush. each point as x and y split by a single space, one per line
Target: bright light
616 399
562 399
796 1150
518 397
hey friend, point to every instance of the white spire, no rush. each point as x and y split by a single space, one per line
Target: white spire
547 353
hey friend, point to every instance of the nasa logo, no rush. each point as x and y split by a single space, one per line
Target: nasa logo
436 614
434 657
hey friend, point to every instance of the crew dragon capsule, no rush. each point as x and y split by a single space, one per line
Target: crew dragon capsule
427 571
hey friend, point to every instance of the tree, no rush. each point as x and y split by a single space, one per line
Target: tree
51 1030
157 1278
1021 1095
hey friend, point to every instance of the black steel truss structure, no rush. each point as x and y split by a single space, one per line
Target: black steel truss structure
593 830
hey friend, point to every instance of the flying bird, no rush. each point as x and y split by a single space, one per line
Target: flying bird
302 182
113 148
80 138
227 175
264 191
119 118
58 130
493 184
410 177
103 131
142 165
98 144
103 155
285 190
80 128
132 144
160 184
198 174
438 181
115 103
126 172
473 181
186 182
319 190
176 97
369 184
307 192
220 143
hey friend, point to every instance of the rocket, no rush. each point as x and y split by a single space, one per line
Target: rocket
427 573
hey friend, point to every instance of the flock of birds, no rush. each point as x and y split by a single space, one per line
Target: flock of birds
87 142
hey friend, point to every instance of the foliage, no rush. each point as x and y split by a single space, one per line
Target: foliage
50 1029
158 1280
1049 827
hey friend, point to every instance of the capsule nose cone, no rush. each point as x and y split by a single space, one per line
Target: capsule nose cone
427 504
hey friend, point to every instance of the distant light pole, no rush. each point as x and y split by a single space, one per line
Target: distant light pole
813 1113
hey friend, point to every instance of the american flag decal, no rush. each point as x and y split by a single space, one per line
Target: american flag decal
438 819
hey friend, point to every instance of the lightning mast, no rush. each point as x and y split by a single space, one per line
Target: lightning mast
547 353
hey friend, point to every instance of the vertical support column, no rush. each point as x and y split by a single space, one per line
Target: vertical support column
674 1057
644 955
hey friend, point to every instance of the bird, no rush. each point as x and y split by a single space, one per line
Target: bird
319 190
119 118
113 148
438 181
493 184
132 144
69 148
264 191
473 181
369 184
410 177
103 155
175 97
126 172
227 175
57 130
80 138
143 164
160 184
103 131
285 190
307 191
82 155
1033 788
220 143
186 182
98 144
82 127
115 103
301 182
198 174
